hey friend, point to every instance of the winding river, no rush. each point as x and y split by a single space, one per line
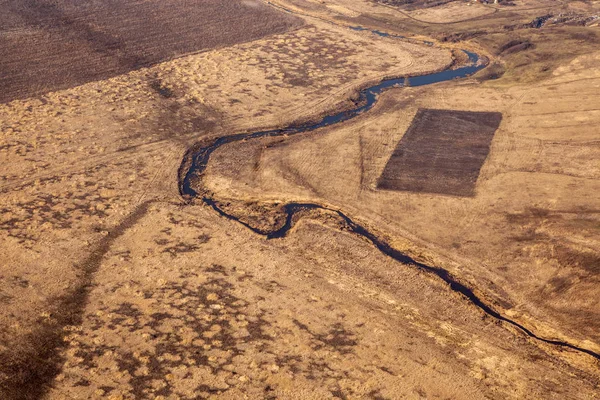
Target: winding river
195 163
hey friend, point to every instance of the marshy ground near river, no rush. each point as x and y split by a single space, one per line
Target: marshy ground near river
114 285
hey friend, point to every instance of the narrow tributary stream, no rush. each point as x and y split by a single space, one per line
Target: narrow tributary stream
367 99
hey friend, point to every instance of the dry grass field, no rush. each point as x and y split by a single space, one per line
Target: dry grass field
113 286
451 12
189 305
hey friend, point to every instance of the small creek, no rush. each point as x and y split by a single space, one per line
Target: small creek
367 99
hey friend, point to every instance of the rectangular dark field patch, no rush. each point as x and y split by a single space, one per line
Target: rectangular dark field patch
47 45
441 152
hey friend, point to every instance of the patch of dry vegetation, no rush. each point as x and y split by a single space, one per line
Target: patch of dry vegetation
449 12
319 314
531 55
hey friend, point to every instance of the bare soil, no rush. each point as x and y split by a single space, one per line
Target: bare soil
441 152
50 45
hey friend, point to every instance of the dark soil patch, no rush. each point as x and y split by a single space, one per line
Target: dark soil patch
515 46
414 4
495 71
162 90
587 261
441 152
49 45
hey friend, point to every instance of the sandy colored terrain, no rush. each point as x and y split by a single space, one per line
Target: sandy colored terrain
114 286
452 12
189 305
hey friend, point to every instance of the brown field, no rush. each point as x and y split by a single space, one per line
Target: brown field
441 152
51 45
113 286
